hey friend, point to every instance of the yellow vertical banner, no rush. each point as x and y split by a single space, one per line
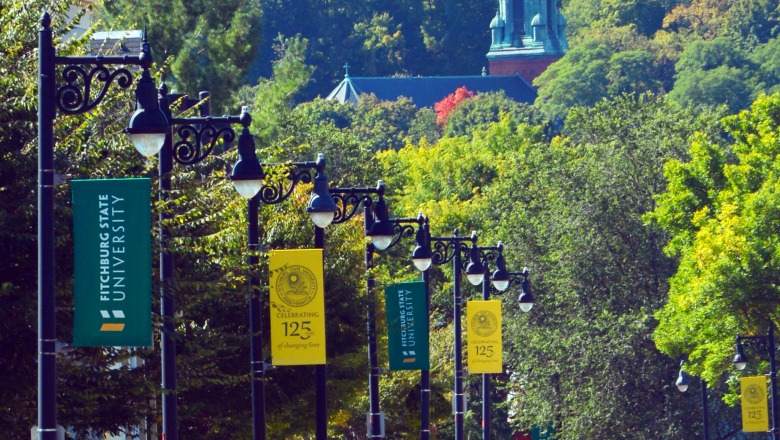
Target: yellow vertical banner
755 415
483 337
297 307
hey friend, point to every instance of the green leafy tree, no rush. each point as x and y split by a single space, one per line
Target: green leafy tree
601 66
710 73
768 75
211 45
646 15
632 71
719 207
571 210
754 20
273 98
380 37
377 125
702 18
598 272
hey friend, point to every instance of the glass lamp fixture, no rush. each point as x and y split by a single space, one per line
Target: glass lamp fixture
322 208
422 257
740 360
148 125
682 382
500 276
247 174
526 300
381 230
475 271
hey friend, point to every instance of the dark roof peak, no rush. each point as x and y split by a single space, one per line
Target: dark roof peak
425 91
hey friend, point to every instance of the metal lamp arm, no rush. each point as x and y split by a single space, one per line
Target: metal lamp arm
444 248
75 95
82 74
515 279
300 172
401 227
758 344
198 136
349 200
488 254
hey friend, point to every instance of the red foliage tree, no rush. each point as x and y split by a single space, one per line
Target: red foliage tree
444 107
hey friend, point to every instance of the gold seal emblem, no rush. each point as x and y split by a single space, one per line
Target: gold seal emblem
296 285
484 323
754 394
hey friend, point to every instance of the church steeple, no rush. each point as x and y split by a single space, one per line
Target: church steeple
526 37
516 20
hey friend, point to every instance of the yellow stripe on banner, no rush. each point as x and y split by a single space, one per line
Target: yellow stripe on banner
112 327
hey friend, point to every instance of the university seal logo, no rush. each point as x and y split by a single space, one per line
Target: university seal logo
754 394
296 286
484 323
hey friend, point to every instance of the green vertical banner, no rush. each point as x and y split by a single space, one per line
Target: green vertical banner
113 263
407 329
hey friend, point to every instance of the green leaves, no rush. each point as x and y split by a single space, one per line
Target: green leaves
724 218
571 209
211 48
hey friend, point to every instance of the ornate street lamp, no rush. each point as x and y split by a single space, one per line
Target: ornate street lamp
322 208
197 138
500 278
446 249
475 269
70 91
422 258
247 174
387 233
148 125
501 281
246 171
382 230
336 206
682 383
526 300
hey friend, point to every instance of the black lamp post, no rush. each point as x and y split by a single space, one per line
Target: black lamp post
446 249
385 233
501 281
197 138
763 345
682 384
340 205
422 258
247 177
74 95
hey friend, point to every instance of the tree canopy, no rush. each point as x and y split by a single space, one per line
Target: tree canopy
203 45
720 209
